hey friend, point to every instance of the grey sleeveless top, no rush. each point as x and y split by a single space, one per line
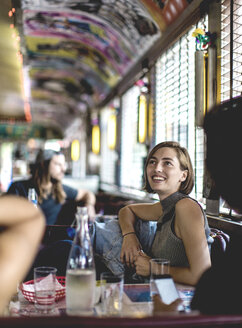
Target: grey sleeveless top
166 244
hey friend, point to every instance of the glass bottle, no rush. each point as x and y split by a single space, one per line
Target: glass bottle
80 272
32 196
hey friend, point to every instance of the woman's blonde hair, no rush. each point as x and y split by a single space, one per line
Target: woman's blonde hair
185 164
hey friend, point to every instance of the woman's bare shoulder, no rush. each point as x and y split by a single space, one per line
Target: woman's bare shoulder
188 207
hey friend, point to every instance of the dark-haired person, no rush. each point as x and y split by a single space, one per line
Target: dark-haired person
46 179
220 288
182 233
223 129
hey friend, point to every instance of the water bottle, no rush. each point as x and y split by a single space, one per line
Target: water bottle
32 196
80 272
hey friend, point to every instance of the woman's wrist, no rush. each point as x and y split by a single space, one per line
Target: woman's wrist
128 233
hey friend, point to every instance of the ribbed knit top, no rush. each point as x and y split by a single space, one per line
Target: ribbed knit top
166 244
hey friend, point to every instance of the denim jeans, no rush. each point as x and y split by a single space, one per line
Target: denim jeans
107 241
106 238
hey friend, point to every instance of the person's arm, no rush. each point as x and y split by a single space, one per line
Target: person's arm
89 200
22 226
127 216
190 228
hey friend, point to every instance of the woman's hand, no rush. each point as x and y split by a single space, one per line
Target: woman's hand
142 264
130 248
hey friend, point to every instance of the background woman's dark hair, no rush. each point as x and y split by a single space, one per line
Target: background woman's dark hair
40 173
185 164
223 129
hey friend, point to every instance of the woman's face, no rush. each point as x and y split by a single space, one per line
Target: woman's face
57 167
164 173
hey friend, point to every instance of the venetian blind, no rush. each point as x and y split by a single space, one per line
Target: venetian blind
231 49
175 103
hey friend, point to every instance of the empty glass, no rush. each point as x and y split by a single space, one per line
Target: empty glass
45 288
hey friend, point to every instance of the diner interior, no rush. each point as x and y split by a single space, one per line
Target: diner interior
104 81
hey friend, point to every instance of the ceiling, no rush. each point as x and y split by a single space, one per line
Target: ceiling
75 54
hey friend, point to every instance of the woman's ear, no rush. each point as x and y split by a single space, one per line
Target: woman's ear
184 175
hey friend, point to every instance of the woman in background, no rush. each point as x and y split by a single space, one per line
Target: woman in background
58 203
46 179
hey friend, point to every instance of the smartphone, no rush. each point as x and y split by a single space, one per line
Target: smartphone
167 290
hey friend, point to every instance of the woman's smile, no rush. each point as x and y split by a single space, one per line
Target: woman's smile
158 178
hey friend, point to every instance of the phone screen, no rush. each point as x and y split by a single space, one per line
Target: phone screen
167 290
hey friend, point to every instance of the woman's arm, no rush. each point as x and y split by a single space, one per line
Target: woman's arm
22 226
89 200
127 216
144 211
189 226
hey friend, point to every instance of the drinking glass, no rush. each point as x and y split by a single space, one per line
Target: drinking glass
158 267
111 293
44 286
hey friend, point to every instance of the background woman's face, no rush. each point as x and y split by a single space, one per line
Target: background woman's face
57 167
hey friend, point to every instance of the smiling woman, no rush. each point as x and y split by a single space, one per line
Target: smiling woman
182 233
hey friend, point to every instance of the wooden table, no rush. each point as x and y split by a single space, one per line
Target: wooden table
136 303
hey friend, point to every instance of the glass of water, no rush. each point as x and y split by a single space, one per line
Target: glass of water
111 293
45 288
159 267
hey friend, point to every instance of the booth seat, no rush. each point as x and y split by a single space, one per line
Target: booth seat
106 204
110 204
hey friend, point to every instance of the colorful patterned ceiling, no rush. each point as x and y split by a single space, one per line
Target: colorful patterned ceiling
77 52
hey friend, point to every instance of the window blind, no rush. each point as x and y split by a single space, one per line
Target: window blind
231 49
175 103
